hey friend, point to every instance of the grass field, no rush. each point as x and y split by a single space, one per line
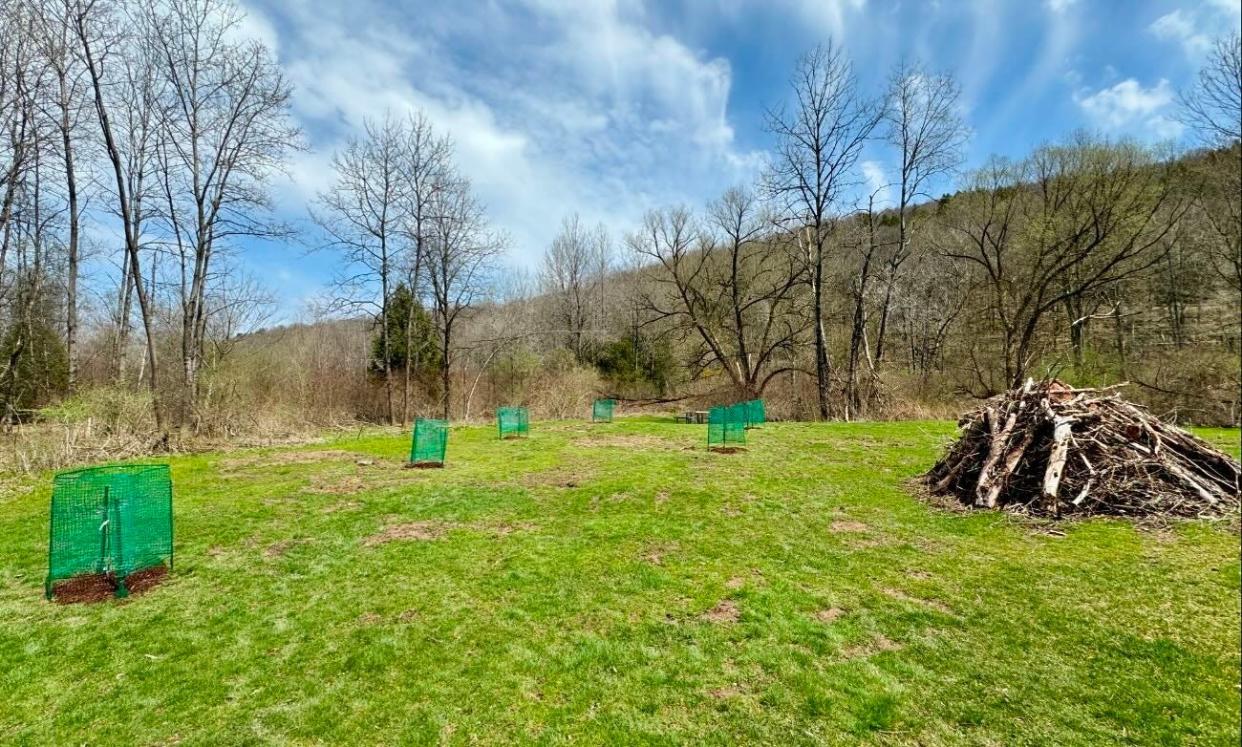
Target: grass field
620 584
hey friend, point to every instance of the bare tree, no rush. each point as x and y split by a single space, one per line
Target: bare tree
1067 221
818 145
871 238
1213 106
19 83
427 163
64 110
104 33
460 254
364 218
727 285
573 270
225 130
923 125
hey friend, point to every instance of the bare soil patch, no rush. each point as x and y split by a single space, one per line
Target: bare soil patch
623 441
727 449
849 526
832 614
932 603
339 486
423 465
100 587
876 645
417 531
278 549
655 554
568 476
504 528
726 611
282 458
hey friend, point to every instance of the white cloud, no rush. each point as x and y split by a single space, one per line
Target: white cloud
1178 26
1059 6
588 110
1194 28
878 185
1129 107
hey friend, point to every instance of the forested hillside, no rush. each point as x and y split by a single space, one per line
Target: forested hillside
139 141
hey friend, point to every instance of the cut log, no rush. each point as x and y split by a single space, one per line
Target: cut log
1061 431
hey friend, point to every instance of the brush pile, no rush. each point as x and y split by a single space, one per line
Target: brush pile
1049 449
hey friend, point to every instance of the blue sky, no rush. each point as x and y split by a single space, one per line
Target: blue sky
608 109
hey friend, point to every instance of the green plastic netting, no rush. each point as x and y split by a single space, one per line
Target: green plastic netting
429 441
114 520
726 424
601 411
512 422
755 413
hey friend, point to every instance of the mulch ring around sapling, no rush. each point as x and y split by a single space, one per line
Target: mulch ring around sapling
726 449
423 465
99 587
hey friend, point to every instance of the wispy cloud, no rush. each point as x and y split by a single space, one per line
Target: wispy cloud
1195 27
602 115
878 185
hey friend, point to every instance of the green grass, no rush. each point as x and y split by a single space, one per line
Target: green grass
617 583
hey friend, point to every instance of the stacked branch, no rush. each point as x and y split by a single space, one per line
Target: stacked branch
1049 449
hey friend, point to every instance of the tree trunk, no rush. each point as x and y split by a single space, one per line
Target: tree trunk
71 283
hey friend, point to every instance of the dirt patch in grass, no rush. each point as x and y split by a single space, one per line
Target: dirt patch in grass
340 486
140 582
725 611
655 554
342 506
727 449
843 526
278 549
876 645
931 603
624 442
736 582
423 465
832 614
726 692
369 618
504 528
282 458
416 531
661 498
568 476
100 587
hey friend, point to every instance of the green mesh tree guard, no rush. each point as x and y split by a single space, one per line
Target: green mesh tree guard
755 414
512 422
601 411
114 520
726 425
429 441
